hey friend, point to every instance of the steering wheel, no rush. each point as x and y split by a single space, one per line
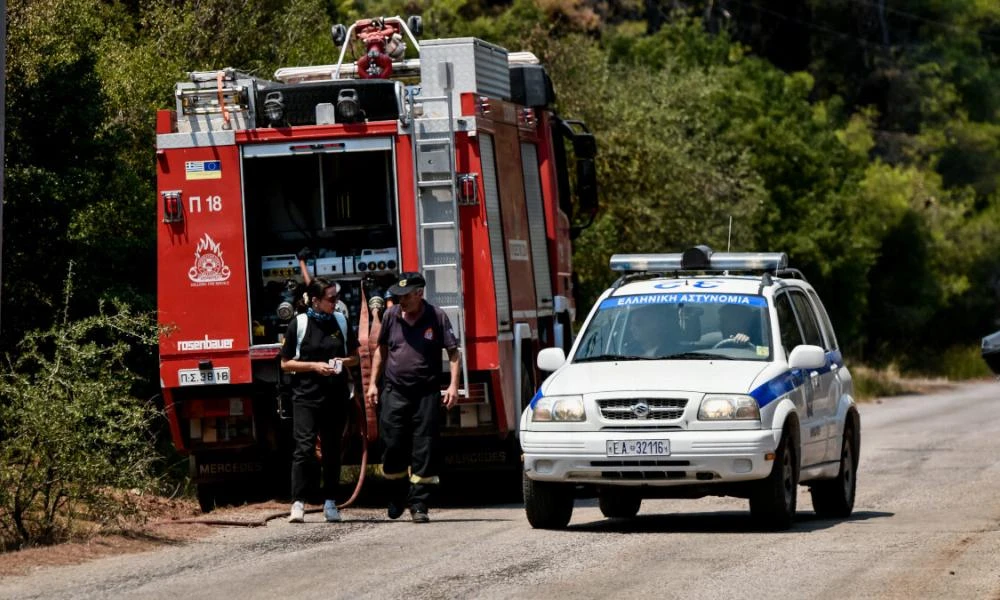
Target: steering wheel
733 343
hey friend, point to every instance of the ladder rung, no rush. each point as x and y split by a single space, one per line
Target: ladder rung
435 182
438 225
440 266
434 141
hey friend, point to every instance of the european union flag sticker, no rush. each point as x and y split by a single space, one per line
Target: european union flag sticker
203 169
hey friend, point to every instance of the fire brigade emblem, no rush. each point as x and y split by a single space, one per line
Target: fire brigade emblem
208 264
429 334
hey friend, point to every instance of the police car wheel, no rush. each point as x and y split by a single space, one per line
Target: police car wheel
547 505
619 503
835 498
773 500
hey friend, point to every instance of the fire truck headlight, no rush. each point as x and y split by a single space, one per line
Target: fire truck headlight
719 407
348 107
274 107
558 408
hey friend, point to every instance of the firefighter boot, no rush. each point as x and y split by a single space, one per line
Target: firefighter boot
418 512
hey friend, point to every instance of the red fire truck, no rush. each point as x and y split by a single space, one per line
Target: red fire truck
451 162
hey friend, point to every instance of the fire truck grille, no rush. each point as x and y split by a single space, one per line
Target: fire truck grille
642 409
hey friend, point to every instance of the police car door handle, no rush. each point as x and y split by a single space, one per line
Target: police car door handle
814 376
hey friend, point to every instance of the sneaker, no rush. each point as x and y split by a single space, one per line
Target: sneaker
298 514
330 512
419 514
394 511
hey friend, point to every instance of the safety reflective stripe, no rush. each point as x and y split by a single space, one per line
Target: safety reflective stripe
432 480
400 475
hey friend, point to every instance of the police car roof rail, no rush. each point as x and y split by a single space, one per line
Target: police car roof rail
630 277
792 273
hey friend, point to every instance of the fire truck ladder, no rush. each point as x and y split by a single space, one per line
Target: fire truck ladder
437 211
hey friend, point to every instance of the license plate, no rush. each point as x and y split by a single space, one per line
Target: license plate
638 447
203 376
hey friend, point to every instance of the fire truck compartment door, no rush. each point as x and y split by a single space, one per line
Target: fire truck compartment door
201 275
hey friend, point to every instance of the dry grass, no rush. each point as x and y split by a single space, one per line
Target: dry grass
870 383
90 541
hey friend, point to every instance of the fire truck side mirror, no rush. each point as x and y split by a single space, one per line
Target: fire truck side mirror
586 185
584 145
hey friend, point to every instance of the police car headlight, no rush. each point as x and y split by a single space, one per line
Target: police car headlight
558 408
717 407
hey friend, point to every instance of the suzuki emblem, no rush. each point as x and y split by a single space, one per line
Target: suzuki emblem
640 410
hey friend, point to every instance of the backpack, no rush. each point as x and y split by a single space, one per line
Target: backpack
302 322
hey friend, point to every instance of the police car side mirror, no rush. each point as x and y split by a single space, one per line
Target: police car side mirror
805 357
550 359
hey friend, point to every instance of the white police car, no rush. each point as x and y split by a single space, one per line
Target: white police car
695 374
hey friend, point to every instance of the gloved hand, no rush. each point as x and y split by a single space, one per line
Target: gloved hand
305 254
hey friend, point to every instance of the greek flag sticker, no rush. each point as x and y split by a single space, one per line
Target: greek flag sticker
203 169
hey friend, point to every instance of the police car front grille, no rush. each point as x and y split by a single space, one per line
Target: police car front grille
660 409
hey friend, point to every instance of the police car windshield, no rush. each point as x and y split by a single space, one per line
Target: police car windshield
678 327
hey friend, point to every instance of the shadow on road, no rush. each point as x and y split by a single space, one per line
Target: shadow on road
714 522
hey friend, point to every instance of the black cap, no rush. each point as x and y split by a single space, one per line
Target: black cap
407 283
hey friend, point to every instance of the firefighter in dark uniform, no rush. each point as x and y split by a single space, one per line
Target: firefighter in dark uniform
413 334
319 359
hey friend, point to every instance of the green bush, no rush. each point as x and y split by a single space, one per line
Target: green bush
74 441
963 362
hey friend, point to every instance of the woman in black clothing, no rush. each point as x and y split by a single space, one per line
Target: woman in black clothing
318 359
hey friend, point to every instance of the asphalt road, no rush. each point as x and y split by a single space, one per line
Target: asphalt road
926 525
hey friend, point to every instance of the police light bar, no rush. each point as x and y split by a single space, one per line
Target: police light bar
699 258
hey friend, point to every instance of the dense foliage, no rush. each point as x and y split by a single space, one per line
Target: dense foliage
74 439
861 138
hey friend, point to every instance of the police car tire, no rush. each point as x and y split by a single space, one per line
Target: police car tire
619 503
547 505
834 498
773 500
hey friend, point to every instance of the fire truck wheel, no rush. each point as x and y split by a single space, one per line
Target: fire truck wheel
772 501
619 503
547 505
207 493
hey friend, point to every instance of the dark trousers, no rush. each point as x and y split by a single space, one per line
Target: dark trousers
327 419
410 426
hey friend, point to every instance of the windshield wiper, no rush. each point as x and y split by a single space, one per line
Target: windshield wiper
698 356
607 357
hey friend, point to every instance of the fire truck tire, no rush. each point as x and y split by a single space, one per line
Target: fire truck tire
619 503
834 498
548 505
207 493
773 500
